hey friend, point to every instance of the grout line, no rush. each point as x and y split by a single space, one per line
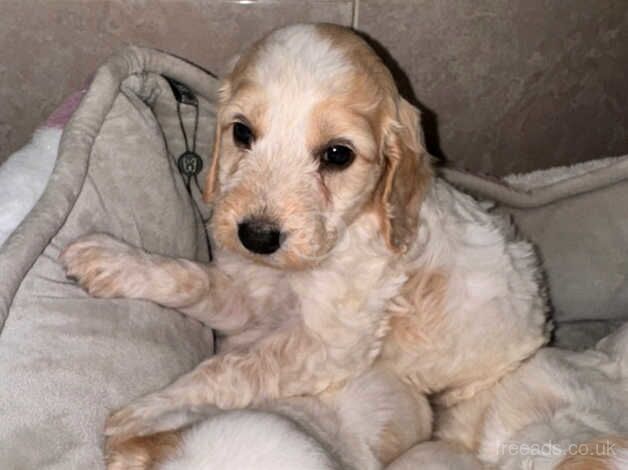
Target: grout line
356 14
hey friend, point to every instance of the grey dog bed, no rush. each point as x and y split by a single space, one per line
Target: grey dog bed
67 359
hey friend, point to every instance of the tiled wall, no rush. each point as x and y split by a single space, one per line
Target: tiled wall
508 85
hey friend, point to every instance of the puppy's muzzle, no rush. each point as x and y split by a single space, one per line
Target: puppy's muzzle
260 236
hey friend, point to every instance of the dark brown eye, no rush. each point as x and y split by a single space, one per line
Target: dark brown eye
337 157
242 135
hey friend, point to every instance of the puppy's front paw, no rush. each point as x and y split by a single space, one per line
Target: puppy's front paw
126 422
102 265
139 418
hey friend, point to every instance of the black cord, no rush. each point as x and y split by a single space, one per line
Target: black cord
185 135
190 169
195 131
182 126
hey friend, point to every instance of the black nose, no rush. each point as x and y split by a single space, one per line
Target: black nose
259 236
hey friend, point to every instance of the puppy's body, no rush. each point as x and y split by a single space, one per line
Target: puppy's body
409 332
342 271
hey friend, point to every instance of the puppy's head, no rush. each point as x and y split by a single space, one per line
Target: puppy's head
311 133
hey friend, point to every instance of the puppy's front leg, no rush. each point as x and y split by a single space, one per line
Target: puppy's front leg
107 267
286 364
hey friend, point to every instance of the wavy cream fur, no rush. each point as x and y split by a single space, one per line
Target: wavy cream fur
390 287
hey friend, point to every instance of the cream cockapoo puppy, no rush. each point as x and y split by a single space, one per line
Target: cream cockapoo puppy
348 283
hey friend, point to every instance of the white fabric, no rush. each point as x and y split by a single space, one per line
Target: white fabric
23 178
540 178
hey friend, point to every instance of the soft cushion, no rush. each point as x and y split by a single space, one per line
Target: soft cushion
578 219
67 359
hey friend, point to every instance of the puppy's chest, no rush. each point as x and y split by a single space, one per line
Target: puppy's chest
345 300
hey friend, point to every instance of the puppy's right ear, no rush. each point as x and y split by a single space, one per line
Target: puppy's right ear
211 180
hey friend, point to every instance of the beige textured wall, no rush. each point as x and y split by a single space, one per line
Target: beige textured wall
510 85
516 85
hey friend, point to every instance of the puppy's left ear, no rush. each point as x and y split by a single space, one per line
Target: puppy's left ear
407 174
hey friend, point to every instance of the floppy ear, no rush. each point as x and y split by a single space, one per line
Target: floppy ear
224 93
407 174
211 180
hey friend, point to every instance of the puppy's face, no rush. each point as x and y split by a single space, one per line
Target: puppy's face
309 136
